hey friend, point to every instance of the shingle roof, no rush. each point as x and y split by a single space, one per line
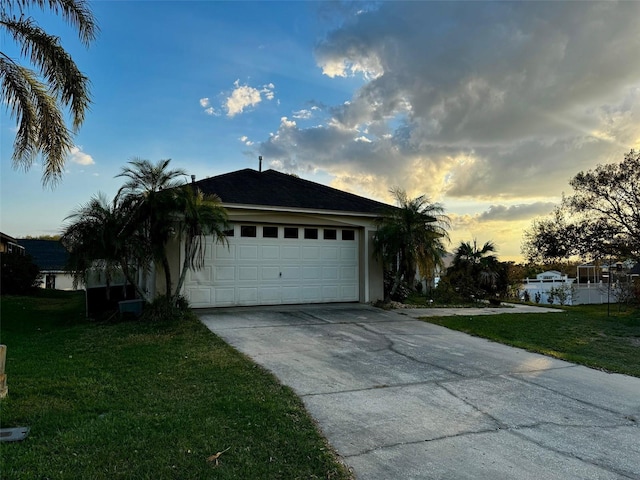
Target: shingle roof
48 255
271 188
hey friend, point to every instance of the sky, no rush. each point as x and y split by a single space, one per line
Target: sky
488 108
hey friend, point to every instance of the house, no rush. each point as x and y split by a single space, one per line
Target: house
9 244
51 258
291 241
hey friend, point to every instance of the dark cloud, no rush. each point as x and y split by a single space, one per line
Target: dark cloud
516 212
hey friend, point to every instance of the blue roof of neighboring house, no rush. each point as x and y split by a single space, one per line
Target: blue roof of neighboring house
48 255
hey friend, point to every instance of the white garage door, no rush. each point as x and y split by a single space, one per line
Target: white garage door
270 264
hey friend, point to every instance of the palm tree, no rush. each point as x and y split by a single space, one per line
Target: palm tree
150 195
411 237
201 215
473 268
37 97
94 238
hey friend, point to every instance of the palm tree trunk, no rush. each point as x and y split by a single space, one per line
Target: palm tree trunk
127 275
183 275
397 280
167 275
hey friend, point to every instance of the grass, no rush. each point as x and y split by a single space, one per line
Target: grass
145 401
581 334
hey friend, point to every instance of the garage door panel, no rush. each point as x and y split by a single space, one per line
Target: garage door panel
270 252
222 252
311 272
349 292
247 295
348 273
225 274
291 294
200 296
330 273
247 252
248 273
291 273
311 294
270 295
270 273
329 253
348 253
290 252
203 276
330 293
225 296
311 253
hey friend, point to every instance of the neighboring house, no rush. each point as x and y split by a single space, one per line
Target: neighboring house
291 241
10 245
50 257
539 288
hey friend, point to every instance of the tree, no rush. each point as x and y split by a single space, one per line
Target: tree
96 238
475 272
37 97
18 273
201 215
410 238
600 219
149 193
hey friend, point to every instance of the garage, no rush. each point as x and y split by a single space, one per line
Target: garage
290 241
278 264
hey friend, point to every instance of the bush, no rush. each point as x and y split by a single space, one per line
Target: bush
402 292
165 308
445 293
18 274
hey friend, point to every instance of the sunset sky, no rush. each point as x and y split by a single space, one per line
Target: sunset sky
486 107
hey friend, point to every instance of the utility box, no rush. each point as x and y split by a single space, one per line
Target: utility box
131 306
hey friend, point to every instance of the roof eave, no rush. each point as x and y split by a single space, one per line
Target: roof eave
279 209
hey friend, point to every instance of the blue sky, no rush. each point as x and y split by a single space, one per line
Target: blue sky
488 108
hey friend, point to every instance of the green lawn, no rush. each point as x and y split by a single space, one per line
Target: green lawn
582 334
144 401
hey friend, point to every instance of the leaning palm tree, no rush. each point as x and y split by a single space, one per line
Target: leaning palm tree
37 97
200 216
149 193
411 237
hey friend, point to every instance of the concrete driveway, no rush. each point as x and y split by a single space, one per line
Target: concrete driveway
399 398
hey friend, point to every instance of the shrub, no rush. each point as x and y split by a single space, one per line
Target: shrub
402 292
165 308
18 274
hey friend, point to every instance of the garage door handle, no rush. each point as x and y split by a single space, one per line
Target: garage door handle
280 273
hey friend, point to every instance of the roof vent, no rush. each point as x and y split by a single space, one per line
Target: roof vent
260 163
193 179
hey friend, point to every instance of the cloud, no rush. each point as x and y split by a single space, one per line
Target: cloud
76 155
516 212
205 103
306 113
244 96
502 102
244 139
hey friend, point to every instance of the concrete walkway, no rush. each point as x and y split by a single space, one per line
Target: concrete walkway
403 399
474 312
